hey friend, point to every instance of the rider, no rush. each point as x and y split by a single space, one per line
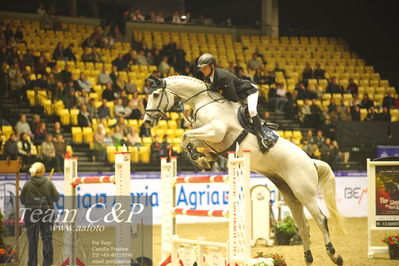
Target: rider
234 89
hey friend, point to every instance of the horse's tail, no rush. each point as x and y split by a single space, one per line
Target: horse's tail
327 185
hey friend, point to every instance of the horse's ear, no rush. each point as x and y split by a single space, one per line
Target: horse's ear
154 79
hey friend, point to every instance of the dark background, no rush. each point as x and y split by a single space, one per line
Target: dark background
370 27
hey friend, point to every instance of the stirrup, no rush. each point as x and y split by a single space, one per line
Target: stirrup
267 143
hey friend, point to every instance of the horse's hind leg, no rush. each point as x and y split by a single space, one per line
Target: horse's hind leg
298 214
321 221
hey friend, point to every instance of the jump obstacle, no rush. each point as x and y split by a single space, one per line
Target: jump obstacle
237 250
121 179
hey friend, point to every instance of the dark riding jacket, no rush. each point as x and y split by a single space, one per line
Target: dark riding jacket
230 86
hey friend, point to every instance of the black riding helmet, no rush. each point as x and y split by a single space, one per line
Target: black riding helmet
206 60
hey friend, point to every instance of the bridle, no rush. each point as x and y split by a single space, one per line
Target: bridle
161 84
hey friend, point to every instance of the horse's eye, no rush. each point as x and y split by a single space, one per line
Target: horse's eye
155 94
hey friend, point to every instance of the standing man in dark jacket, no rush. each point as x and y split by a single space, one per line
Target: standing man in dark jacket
38 195
236 90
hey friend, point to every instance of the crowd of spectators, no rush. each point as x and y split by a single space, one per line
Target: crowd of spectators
74 91
26 139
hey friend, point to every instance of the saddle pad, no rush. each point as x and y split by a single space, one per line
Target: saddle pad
243 119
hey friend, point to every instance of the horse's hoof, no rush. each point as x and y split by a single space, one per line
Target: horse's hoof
202 162
340 260
308 257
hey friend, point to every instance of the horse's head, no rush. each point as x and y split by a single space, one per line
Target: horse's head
159 101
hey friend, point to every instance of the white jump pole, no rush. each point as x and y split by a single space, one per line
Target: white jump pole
121 179
238 214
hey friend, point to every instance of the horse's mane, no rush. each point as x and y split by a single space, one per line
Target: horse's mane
187 78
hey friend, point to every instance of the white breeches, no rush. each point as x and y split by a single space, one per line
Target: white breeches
252 100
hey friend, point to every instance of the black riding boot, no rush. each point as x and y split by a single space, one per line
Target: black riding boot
264 143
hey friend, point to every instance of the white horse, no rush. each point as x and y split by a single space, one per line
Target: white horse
216 125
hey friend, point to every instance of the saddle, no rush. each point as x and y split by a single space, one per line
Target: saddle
245 121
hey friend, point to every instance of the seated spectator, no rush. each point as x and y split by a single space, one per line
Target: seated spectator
332 106
11 147
99 145
176 18
155 149
346 114
121 123
40 134
22 126
108 140
117 136
307 73
355 113
133 138
70 101
108 42
366 101
25 150
87 56
272 96
372 114
57 129
145 130
47 152
319 138
136 107
165 146
130 58
352 88
160 17
309 137
301 92
137 16
120 110
130 87
117 34
338 156
281 97
60 150
326 151
84 83
66 74
385 115
333 86
103 77
58 53
119 63
103 110
17 86
304 112
309 149
242 75
114 74
164 67
96 56
34 125
388 101
41 64
108 93
255 63
335 116
69 55
91 108
119 85
318 72
83 98
150 58
84 117
142 59
316 118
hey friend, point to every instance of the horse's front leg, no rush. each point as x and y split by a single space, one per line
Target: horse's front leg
193 139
